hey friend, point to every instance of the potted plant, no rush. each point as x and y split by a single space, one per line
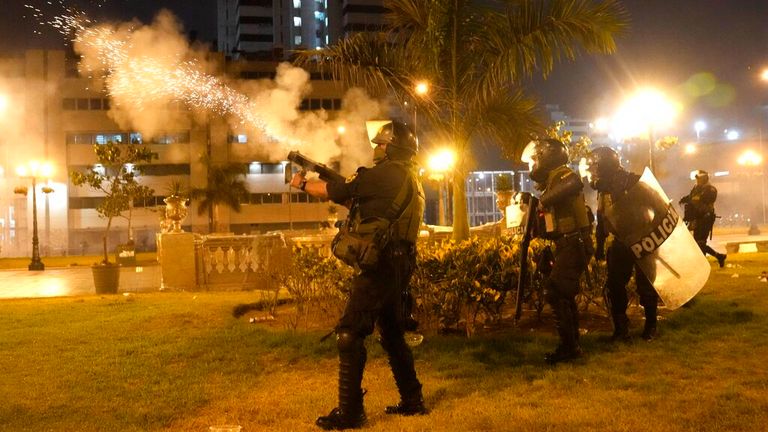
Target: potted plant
114 176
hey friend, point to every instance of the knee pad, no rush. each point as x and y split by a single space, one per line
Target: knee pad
347 341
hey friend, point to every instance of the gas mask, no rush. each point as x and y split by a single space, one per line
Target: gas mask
379 154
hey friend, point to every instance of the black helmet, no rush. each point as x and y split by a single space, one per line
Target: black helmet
400 140
543 156
701 176
602 164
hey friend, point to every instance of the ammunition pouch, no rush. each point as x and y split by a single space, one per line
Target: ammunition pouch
362 244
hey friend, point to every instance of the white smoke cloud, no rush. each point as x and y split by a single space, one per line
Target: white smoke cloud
150 66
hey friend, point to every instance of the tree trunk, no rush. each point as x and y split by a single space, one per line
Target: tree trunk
104 241
460 219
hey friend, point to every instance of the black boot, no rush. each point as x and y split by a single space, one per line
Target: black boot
401 361
350 413
408 408
649 331
620 328
565 322
721 259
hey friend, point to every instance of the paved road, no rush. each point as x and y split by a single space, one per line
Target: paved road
60 281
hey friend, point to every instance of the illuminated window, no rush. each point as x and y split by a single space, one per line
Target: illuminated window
297 3
297 40
297 21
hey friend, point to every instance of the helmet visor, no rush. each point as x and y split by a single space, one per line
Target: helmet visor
373 127
529 155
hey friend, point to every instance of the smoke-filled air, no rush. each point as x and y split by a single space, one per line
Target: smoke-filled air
147 67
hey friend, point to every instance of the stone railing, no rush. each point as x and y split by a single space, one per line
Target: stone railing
249 262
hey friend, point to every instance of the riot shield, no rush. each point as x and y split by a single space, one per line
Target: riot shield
645 220
515 214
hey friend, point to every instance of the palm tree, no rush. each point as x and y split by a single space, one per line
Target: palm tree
475 58
225 187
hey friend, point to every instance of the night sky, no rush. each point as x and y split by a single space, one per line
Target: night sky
669 41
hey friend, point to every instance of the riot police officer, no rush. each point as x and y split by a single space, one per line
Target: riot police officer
699 213
612 182
390 189
566 222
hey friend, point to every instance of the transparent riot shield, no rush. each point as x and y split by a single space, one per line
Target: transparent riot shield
645 220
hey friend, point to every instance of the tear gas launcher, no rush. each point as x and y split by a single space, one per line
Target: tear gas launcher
326 174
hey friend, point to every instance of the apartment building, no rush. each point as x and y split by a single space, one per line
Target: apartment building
271 29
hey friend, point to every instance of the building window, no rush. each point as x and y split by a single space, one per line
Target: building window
96 104
247 37
237 139
297 21
297 4
136 138
69 104
82 104
297 40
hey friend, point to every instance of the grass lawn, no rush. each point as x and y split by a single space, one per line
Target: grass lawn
181 362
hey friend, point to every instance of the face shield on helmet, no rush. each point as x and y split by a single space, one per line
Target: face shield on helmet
602 164
543 156
529 152
701 177
392 139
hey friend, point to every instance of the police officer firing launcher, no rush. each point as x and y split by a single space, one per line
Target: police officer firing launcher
390 196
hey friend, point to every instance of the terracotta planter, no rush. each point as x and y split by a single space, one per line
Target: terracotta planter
106 278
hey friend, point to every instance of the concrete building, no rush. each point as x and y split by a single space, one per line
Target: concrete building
271 29
50 112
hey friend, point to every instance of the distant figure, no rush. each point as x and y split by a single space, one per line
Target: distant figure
699 213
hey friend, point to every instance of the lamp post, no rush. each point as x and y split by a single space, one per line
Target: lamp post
646 112
753 160
440 164
421 89
35 170
699 127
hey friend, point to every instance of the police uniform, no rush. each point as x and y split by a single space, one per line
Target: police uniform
567 223
391 190
700 216
621 262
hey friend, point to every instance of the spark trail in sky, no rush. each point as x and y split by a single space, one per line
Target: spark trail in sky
145 67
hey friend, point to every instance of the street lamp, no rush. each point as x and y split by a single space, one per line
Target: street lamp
700 126
440 164
35 170
421 89
750 158
646 111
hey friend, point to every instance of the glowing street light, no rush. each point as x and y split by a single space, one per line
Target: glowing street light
732 134
700 126
643 113
35 170
764 75
422 88
440 165
751 158
690 149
